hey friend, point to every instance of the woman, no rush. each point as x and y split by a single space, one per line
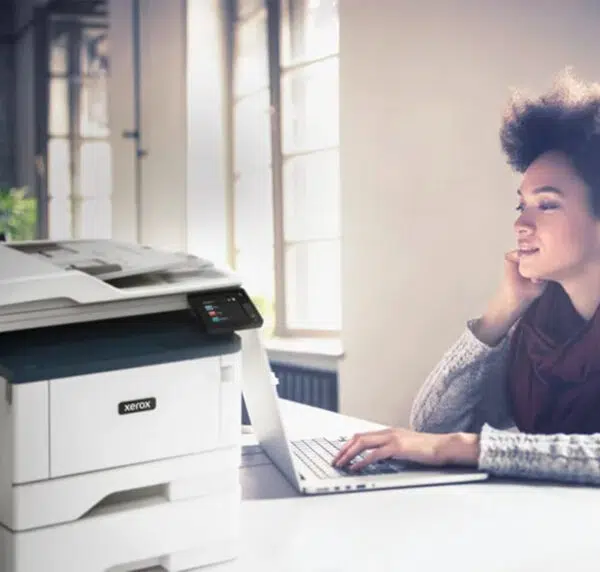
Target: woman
518 395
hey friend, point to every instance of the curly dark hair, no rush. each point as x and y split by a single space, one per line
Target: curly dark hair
565 119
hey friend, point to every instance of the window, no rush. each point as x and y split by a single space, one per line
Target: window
78 177
253 235
286 195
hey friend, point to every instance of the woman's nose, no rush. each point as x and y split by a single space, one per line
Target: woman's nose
525 223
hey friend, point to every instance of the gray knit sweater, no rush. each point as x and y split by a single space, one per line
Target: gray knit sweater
465 393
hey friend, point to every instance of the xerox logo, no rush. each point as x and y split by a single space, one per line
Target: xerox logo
137 405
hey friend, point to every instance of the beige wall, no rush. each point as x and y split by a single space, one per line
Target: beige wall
155 216
121 117
428 201
207 201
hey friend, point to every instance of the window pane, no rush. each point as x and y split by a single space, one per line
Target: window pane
93 120
251 71
59 53
311 30
96 217
254 240
253 133
253 221
59 176
95 169
246 8
257 271
59 219
313 285
58 120
310 107
94 51
311 200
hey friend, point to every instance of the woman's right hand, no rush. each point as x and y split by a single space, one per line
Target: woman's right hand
514 296
517 292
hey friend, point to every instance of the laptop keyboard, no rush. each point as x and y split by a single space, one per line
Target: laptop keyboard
318 454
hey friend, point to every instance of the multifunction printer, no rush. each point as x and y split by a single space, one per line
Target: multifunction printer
120 407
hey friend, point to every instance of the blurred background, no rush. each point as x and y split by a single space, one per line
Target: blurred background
341 155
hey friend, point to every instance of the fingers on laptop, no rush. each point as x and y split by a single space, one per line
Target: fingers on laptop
380 441
376 455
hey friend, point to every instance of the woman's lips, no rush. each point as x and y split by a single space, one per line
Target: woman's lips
528 251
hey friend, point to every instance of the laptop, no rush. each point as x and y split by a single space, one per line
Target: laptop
307 463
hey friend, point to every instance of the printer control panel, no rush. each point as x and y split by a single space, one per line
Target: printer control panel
225 311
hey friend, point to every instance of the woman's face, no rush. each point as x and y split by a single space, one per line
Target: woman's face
557 235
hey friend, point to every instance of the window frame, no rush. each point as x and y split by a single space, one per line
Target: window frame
276 32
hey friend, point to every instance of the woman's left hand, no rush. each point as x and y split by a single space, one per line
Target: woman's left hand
425 448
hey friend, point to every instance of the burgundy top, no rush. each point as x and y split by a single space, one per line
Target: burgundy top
554 367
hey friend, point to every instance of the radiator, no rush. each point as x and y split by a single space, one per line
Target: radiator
308 385
312 386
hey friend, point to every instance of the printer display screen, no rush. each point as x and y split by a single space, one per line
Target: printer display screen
226 311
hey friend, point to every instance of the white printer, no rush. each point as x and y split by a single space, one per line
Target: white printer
120 408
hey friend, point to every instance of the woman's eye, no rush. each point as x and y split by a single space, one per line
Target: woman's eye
548 206
541 206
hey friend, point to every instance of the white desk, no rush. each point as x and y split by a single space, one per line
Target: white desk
494 526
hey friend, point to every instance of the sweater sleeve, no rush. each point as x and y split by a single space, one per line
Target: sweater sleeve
558 457
465 390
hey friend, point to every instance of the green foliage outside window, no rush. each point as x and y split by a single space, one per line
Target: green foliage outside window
18 214
266 307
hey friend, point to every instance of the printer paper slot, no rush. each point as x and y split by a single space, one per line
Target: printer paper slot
129 499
